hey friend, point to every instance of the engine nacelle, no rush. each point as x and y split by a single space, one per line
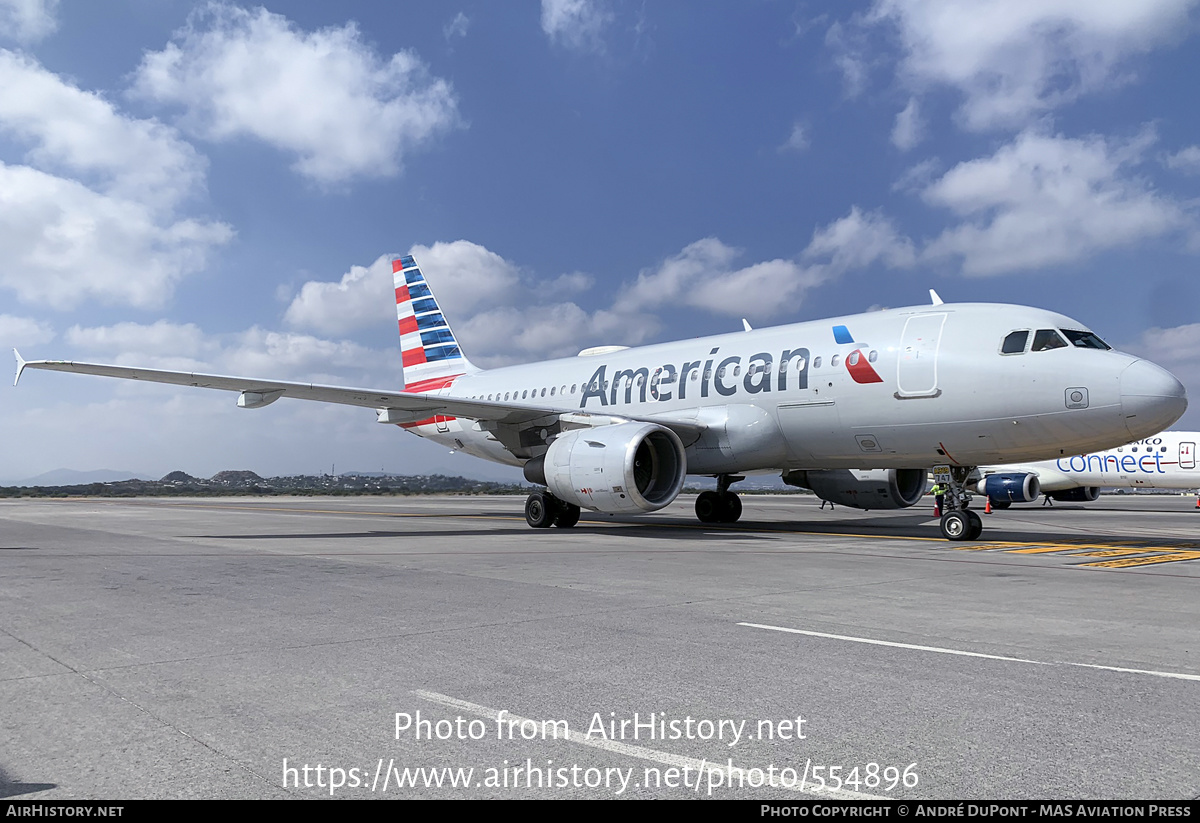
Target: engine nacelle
1010 488
874 489
628 467
1084 494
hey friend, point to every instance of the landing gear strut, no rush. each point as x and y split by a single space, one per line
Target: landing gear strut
543 510
721 506
959 522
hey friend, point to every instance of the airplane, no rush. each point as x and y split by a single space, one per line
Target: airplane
1164 461
856 408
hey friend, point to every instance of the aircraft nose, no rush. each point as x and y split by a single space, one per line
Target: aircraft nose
1151 398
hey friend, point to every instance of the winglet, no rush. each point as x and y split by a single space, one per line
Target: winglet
20 366
937 301
746 325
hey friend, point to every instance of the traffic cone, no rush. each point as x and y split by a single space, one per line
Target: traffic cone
1198 502
988 508
937 510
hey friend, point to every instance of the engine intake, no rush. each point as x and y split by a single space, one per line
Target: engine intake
628 467
873 489
1010 488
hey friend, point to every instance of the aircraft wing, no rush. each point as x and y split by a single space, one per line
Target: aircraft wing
393 406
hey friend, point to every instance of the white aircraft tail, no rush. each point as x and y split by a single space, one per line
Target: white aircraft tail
430 351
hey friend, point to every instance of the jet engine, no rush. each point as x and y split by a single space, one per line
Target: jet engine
622 468
1084 494
1010 488
874 489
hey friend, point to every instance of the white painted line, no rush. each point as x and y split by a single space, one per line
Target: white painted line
890 643
735 774
1177 675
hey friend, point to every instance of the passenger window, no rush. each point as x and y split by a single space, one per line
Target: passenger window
816 362
543 392
572 388
873 356
1015 342
552 390
852 360
833 361
1046 339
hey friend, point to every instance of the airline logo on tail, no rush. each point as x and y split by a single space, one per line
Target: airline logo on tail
430 352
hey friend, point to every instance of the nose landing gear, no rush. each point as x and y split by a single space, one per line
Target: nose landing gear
958 522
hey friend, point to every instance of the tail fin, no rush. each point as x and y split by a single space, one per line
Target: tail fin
431 354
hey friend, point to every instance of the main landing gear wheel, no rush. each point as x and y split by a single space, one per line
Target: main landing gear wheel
543 510
540 510
568 515
961 524
718 507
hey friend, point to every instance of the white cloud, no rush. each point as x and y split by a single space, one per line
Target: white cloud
27 20
848 44
918 176
1043 200
255 352
1186 160
65 244
572 283
514 334
113 237
324 96
80 132
857 241
576 24
704 274
456 27
465 276
499 316
1014 59
909 129
23 331
797 140
361 299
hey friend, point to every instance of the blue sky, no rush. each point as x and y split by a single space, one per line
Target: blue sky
218 186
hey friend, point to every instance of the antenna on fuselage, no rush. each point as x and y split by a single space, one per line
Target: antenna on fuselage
937 301
745 325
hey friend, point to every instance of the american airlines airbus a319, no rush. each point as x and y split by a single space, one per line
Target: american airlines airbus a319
856 408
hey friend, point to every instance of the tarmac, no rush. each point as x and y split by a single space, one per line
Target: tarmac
437 647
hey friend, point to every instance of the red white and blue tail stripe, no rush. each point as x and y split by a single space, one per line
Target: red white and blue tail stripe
431 354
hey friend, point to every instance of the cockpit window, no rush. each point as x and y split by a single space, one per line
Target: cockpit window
1046 339
1085 340
1015 342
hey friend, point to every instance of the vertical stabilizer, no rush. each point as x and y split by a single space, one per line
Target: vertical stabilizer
431 354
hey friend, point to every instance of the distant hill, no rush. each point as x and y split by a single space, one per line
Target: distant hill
236 478
178 477
70 477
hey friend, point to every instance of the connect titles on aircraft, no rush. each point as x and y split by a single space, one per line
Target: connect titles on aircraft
855 408
1164 461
